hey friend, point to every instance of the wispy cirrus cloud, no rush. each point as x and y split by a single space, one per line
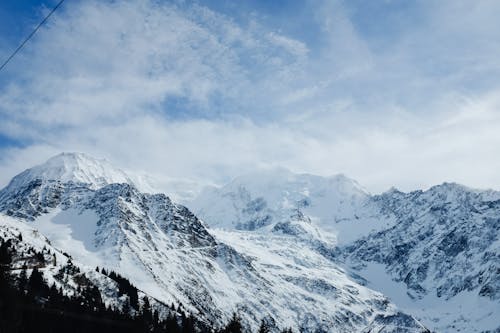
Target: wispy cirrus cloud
106 59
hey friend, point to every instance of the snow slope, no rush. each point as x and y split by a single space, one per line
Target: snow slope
309 287
61 269
465 312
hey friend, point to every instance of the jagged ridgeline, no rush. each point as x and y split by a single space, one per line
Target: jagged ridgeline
275 251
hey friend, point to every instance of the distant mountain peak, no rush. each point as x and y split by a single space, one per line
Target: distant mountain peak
280 177
73 167
267 196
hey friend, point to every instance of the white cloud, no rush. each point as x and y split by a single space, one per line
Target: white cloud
183 92
214 151
101 60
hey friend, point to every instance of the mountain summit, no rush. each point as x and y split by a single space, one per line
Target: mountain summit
263 198
72 167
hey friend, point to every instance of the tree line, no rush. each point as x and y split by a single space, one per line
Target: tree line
29 304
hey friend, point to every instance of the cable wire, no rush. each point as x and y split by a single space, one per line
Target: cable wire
31 35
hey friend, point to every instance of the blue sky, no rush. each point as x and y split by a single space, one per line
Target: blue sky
402 93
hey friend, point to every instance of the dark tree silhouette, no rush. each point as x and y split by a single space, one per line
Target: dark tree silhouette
234 325
264 327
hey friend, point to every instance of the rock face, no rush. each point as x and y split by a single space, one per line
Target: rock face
444 250
445 241
396 323
283 271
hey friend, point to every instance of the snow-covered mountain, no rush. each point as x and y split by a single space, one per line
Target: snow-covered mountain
435 253
284 271
71 167
335 204
443 256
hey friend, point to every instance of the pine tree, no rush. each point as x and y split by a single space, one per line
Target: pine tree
126 309
264 327
55 295
156 321
22 280
234 325
36 284
187 325
40 257
5 256
147 315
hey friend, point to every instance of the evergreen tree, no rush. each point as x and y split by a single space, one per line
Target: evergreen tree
5 256
234 325
156 321
55 296
36 283
171 324
264 327
22 280
147 315
40 257
126 309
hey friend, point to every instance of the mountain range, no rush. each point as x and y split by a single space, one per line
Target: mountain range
317 254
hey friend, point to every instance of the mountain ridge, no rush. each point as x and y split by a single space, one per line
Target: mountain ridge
294 248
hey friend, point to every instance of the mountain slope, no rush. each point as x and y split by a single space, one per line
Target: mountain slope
33 250
444 250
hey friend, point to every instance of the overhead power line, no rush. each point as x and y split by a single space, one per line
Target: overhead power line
31 35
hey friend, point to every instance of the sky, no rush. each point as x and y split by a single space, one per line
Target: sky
391 93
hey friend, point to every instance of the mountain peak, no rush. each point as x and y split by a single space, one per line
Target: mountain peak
266 196
73 167
280 178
